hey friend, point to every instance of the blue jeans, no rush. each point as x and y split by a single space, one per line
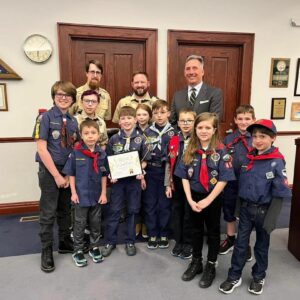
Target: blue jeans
251 216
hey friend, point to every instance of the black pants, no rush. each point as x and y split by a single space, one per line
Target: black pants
211 217
180 218
82 215
54 203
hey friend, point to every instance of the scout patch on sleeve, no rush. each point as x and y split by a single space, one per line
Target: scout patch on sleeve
213 181
102 169
284 172
190 172
270 175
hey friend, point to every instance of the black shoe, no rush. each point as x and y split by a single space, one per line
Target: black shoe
163 242
47 262
227 245
228 286
208 276
187 252
177 250
66 246
152 243
107 250
256 286
130 249
249 254
194 268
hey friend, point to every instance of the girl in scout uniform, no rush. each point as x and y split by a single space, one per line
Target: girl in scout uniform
205 170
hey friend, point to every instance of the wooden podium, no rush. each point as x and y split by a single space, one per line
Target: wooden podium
294 232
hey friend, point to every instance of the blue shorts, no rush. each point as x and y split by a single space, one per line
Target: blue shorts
230 196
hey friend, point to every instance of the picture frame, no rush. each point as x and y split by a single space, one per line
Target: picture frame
3 97
297 80
295 113
279 75
6 72
278 108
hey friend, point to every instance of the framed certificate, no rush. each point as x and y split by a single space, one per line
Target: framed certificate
279 75
124 165
295 114
278 108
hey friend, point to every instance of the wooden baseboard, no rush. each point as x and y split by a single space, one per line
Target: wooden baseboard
19 207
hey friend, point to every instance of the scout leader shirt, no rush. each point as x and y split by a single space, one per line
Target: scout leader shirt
219 168
60 131
87 179
265 178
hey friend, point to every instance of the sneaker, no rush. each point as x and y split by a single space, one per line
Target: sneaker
130 249
228 286
66 246
96 255
107 250
138 228
163 242
256 286
79 259
152 243
176 251
249 254
208 275
187 252
144 231
227 245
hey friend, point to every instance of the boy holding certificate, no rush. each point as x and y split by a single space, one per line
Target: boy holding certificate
127 188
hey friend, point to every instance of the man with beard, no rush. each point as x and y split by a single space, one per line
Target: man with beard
198 95
140 85
94 72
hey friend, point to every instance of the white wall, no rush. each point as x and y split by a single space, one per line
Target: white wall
269 20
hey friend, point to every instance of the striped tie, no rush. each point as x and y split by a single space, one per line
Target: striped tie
193 96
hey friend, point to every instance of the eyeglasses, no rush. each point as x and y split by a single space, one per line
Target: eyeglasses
61 96
186 122
98 73
91 102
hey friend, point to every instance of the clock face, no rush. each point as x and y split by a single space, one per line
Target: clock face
37 48
281 65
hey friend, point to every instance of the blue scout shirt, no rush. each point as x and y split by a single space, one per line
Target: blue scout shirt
51 129
238 150
120 143
219 169
265 180
87 181
157 141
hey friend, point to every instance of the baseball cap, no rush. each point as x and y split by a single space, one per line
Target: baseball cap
263 123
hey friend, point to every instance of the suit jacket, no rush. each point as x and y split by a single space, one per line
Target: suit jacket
209 99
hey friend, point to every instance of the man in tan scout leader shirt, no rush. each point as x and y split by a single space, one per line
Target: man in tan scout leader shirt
140 85
94 72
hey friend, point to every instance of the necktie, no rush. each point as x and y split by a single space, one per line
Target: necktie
193 96
64 133
203 170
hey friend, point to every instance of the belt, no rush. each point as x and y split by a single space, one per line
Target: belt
245 203
154 164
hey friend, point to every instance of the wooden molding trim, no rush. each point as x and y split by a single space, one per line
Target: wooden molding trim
19 207
281 133
16 140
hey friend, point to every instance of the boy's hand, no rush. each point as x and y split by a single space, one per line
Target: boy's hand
102 199
143 184
139 177
67 184
203 203
113 181
169 192
75 198
60 181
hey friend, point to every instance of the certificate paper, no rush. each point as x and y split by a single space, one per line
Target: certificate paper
124 165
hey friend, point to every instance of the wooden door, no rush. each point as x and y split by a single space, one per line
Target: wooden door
122 51
227 65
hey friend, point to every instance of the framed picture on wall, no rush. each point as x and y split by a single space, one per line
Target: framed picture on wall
278 108
6 72
3 97
279 75
297 81
295 114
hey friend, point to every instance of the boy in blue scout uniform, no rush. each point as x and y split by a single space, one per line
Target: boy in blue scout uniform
55 131
181 225
87 168
205 170
125 189
157 206
238 145
262 187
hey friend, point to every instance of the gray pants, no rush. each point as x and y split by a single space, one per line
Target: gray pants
82 214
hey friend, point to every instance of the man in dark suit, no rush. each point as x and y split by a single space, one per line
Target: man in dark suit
198 95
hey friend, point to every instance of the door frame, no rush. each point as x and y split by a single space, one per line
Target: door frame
69 31
243 40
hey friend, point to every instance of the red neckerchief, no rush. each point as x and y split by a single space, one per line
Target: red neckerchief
274 154
203 170
237 139
173 150
88 153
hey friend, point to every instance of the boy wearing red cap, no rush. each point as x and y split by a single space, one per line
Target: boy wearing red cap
262 187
